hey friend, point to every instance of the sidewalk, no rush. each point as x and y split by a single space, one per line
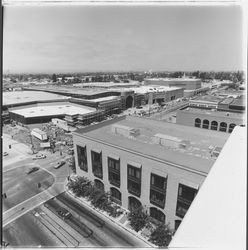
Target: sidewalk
121 221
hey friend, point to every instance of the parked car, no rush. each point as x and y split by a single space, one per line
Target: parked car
32 169
64 213
5 153
39 156
59 164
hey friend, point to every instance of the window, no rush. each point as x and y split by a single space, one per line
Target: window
82 158
231 127
134 180
134 172
177 224
223 127
158 190
197 122
157 198
133 203
185 197
99 184
158 181
114 171
114 164
96 158
134 188
205 124
157 214
115 195
214 125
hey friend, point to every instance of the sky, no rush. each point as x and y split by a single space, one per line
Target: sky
59 39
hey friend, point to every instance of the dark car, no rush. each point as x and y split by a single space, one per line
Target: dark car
59 164
64 213
31 170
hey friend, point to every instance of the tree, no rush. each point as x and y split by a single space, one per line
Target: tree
138 218
72 164
54 78
161 236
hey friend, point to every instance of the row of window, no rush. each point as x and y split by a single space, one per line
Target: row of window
214 125
158 184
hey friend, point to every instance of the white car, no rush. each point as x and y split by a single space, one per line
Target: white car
5 153
39 156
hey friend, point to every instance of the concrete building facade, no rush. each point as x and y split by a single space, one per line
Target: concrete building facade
143 162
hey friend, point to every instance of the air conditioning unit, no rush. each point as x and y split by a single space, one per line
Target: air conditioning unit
125 130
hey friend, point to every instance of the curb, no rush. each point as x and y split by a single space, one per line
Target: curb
109 218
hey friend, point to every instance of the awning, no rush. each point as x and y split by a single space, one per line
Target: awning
159 173
99 151
134 164
189 184
115 157
82 145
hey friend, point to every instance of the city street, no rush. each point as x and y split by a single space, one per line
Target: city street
84 228
30 212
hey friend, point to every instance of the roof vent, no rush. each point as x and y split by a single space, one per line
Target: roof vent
125 130
216 151
170 141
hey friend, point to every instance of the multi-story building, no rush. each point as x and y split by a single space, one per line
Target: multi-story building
145 162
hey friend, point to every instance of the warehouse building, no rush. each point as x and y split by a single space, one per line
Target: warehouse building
145 162
41 113
190 86
185 83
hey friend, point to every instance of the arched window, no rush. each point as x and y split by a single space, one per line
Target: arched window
197 122
129 102
205 124
214 125
223 127
99 184
157 214
177 224
231 127
133 203
115 195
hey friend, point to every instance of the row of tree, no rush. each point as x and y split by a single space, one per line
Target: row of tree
82 187
161 234
139 219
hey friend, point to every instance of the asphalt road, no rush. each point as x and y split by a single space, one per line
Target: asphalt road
44 227
20 186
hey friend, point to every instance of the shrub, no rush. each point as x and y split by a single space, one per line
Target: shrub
138 218
161 236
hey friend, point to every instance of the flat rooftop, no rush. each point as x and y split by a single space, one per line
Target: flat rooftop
196 156
227 100
72 90
174 79
19 97
102 99
107 84
50 110
148 89
214 113
239 101
208 98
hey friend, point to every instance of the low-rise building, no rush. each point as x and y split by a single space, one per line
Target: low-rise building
145 162
210 119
